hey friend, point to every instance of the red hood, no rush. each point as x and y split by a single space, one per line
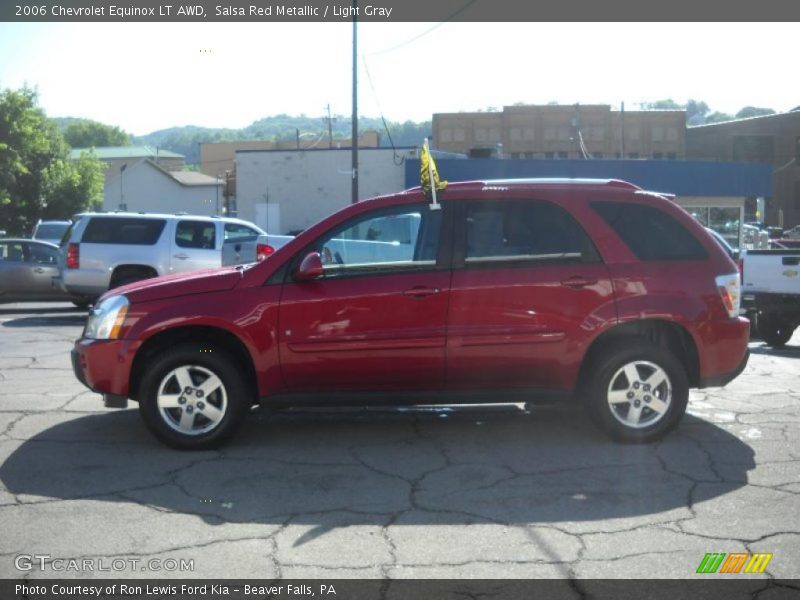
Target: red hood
181 284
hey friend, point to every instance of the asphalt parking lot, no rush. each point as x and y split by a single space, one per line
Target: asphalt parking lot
493 492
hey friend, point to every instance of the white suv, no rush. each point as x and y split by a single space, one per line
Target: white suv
106 250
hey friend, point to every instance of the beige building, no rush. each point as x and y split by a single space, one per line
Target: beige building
145 186
564 132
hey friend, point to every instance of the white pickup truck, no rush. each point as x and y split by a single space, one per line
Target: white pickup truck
771 292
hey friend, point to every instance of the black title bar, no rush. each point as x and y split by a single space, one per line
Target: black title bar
398 11
702 587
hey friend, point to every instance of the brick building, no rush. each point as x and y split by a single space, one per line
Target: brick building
564 132
771 139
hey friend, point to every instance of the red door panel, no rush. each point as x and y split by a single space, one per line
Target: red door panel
524 326
382 331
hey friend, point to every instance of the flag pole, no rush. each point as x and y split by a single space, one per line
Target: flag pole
434 204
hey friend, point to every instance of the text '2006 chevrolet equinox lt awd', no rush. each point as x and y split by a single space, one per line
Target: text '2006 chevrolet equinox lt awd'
505 291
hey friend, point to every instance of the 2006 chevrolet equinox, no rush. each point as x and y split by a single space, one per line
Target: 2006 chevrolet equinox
505 291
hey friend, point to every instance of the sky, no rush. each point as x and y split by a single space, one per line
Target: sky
148 76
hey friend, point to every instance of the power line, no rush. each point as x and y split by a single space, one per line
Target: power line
424 33
380 111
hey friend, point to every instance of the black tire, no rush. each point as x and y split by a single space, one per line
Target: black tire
774 330
648 360
232 401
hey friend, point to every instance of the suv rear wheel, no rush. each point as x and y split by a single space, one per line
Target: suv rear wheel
636 391
193 397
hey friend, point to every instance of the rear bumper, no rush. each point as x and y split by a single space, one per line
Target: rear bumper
84 282
725 378
723 351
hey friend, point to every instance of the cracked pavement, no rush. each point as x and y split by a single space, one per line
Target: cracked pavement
474 492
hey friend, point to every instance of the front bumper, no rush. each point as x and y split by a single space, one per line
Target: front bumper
104 366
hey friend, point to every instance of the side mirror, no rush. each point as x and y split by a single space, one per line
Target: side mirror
310 268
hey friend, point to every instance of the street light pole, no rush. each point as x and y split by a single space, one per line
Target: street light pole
354 134
121 188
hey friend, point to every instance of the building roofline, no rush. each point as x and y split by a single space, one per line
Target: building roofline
342 149
745 119
218 182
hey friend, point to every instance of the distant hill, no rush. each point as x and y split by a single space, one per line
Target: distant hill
186 140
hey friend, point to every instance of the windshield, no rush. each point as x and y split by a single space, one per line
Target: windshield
51 231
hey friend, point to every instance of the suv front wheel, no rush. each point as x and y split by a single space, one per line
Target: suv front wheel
193 397
636 391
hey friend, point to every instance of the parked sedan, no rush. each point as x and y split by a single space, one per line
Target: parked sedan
27 268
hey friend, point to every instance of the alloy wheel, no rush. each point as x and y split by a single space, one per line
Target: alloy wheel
192 400
639 394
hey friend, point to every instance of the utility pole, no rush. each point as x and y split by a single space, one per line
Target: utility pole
354 135
330 126
622 132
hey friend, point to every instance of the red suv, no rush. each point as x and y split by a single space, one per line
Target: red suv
504 292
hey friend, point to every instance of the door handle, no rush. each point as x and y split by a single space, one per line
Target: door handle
578 282
181 256
38 270
421 292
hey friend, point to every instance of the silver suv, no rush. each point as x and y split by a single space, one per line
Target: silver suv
106 250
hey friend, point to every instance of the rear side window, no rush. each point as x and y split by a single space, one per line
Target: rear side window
196 234
236 232
524 230
651 234
109 230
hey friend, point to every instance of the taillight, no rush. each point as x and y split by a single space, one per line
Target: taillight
263 251
73 256
730 290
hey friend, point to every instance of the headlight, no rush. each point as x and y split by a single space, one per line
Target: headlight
106 319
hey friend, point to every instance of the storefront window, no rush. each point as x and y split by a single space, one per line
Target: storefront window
723 220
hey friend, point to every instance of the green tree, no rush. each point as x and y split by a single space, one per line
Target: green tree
718 117
91 134
32 175
668 104
754 111
696 111
72 186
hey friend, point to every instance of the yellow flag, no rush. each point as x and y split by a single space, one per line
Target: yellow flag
428 172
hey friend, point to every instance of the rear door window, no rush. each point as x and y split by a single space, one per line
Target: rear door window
196 234
524 231
111 230
12 251
650 233
43 255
